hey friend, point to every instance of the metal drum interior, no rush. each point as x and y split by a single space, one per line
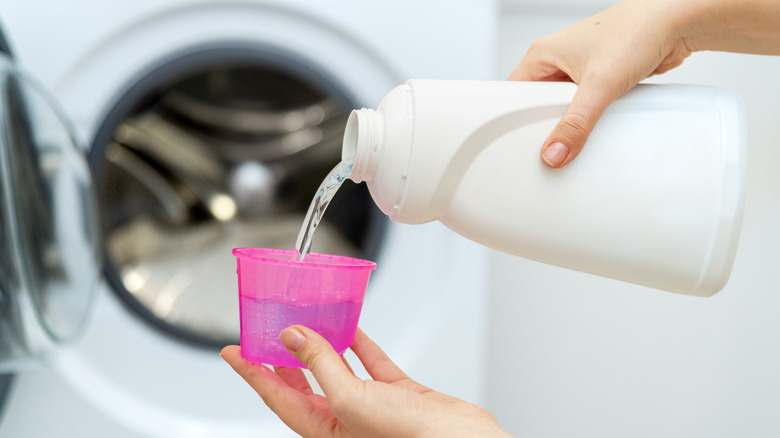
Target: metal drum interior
217 148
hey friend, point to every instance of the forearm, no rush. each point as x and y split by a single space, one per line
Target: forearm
743 26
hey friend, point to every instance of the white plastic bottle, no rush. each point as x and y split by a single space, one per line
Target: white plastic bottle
655 198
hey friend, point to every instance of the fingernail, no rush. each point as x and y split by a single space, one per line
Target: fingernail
292 338
555 154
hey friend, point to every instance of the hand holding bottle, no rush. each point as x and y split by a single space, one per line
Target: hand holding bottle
608 53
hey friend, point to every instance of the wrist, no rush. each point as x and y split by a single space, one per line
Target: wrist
745 26
699 25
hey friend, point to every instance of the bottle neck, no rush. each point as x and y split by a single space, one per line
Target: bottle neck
361 137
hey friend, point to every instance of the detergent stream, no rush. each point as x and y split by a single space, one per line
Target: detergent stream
322 198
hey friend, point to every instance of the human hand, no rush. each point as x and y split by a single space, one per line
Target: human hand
390 405
606 55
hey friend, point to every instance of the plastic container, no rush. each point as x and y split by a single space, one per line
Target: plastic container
655 198
324 293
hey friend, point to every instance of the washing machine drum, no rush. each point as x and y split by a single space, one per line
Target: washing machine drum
49 251
217 149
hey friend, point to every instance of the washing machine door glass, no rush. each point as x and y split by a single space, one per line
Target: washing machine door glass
223 147
49 257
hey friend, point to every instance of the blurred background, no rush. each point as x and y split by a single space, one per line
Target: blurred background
208 125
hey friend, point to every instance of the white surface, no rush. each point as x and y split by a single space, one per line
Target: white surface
573 355
426 301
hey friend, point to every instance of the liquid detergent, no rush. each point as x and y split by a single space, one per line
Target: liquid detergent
336 322
319 204
655 198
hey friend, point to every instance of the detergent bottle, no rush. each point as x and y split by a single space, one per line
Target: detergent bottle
655 197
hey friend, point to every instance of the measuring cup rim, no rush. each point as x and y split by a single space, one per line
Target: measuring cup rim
313 260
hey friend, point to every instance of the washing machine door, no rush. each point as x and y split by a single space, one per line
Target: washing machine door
49 253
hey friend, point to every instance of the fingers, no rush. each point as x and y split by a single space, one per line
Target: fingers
537 71
349 367
292 406
572 131
540 63
294 378
375 361
333 376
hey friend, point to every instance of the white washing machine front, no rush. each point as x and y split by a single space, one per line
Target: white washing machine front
425 303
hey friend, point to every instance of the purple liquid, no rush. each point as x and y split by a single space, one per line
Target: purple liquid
262 320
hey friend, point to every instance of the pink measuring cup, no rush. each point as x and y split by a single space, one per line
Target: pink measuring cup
324 293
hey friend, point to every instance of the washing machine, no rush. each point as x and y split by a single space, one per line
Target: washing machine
198 126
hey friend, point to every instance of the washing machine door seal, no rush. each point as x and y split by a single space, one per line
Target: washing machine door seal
49 251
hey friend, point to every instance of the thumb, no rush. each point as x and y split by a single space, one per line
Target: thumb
319 357
572 131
